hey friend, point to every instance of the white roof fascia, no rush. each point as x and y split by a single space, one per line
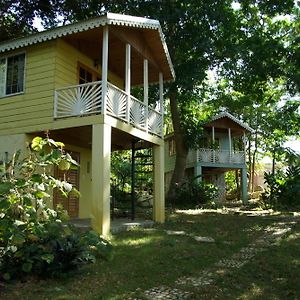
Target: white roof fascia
108 19
230 116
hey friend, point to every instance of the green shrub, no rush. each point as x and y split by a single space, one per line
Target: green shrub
34 238
194 193
283 188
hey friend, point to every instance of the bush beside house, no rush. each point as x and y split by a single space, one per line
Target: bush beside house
34 238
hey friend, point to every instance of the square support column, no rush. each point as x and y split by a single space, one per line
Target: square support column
101 150
244 186
198 172
159 187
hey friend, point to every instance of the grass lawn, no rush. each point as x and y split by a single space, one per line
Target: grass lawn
147 258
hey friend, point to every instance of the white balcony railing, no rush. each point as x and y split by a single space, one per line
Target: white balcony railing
78 100
220 156
86 99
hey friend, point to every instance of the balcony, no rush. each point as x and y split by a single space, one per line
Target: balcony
220 156
87 99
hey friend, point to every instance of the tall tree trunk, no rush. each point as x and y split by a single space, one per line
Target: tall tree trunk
181 148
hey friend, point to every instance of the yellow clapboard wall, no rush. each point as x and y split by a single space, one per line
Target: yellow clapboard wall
49 65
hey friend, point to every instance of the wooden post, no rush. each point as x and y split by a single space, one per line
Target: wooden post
146 92
159 189
128 80
244 142
104 67
161 100
101 150
229 138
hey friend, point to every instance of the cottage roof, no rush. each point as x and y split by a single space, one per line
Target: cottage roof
226 114
157 40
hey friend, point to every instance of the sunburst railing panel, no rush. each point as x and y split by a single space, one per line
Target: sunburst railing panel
86 99
117 102
155 122
78 100
137 110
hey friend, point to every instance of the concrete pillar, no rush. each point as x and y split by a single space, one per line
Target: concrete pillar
198 172
244 185
101 150
159 191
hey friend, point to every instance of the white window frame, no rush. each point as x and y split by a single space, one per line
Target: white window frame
5 75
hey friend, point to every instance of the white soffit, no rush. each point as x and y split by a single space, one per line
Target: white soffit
108 19
226 114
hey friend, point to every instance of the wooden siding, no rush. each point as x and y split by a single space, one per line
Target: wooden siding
67 59
49 65
34 106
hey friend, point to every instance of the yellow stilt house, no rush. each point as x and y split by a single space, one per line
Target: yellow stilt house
75 82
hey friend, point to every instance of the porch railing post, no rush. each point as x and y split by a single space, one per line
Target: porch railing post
146 93
128 80
161 101
230 146
104 67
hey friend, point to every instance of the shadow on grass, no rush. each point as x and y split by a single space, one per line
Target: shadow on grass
145 258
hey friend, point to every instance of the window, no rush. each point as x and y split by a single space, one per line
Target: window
172 147
12 75
87 74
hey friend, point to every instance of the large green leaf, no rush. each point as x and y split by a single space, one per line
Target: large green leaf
26 267
37 143
5 187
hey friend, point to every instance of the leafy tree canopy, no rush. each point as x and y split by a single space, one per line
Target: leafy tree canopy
252 45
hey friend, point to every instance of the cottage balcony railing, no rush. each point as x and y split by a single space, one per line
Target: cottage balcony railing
220 156
86 99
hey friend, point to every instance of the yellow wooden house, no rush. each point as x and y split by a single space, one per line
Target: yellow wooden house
75 82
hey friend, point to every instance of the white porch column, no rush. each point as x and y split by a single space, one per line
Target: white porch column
213 143
244 185
198 172
128 79
104 67
161 100
159 189
230 144
244 143
146 83
101 150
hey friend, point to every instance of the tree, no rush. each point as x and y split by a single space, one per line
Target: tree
241 39
257 76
